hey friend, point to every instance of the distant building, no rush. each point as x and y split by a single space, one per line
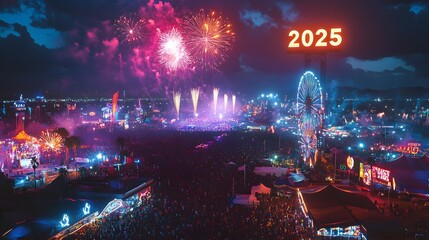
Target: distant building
20 109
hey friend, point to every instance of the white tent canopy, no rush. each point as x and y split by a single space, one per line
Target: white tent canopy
245 199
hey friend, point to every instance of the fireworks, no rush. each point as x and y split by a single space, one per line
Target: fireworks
195 93
51 141
130 28
233 103
215 96
172 52
225 102
209 38
176 99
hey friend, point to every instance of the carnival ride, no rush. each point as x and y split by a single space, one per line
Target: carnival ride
309 110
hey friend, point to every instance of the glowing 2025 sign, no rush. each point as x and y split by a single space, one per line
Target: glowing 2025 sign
321 39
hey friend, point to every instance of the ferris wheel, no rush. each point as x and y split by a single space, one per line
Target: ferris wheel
309 109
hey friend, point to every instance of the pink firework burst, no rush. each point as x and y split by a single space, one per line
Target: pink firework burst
172 52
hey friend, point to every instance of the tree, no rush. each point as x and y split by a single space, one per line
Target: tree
131 169
75 141
63 172
83 172
64 133
6 185
34 164
72 142
94 169
68 144
121 142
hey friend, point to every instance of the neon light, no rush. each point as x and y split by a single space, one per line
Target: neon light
65 221
293 43
350 162
321 42
380 174
335 35
394 184
304 38
112 206
361 170
353 232
367 173
86 209
411 148
308 39
302 203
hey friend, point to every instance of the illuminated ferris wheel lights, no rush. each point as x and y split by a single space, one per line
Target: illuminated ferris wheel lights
309 109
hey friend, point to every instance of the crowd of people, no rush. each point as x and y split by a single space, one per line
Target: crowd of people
192 192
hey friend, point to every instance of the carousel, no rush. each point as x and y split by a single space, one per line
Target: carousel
18 151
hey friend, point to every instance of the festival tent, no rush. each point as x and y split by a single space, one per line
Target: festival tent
242 168
245 199
23 136
297 179
409 173
261 189
263 171
331 207
331 196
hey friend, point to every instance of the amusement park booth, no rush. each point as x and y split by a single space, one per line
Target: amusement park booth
23 147
407 173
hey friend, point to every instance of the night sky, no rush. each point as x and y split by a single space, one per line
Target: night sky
69 48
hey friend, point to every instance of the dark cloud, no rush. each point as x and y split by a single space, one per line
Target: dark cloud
26 66
380 65
4 24
9 5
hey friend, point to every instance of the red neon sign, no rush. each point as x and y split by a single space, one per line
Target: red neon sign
315 39
380 174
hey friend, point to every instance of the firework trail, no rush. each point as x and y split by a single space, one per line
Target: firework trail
130 28
233 103
215 96
225 102
209 39
195 93
172 52
176 99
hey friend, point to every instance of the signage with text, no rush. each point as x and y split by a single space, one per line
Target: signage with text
318 39
411 148
380 175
